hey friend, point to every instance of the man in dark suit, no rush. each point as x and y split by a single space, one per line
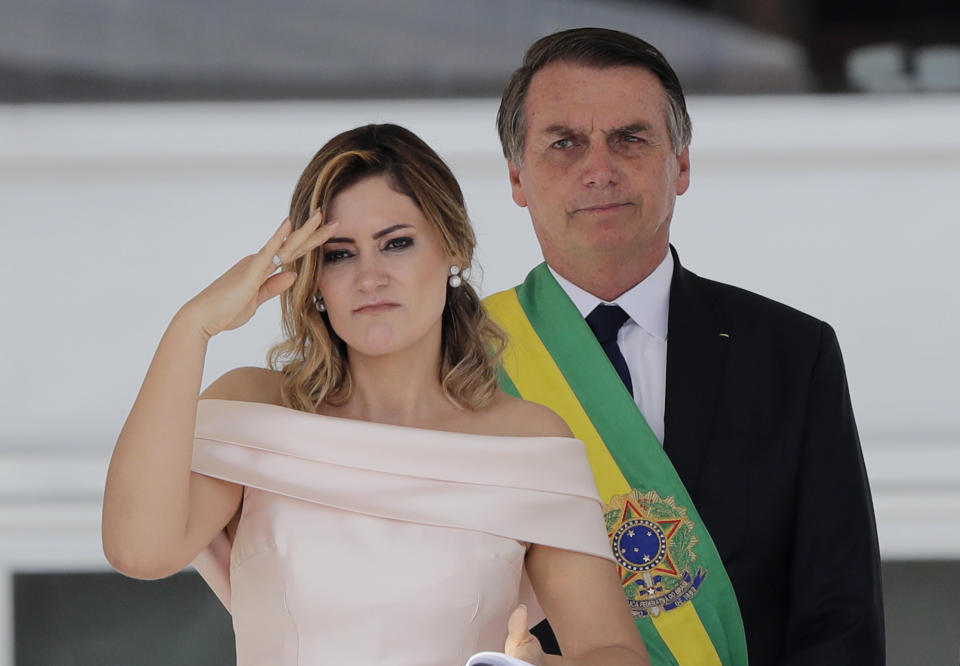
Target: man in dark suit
747 396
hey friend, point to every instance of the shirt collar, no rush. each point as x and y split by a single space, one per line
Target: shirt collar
647 303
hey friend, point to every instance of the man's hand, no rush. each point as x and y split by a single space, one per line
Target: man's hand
520 642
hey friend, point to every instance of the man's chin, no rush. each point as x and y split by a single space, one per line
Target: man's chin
609 237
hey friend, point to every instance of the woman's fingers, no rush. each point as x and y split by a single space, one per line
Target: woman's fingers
233 297
315 240
277 239
293 246
265 257
296 239
255 280
274 286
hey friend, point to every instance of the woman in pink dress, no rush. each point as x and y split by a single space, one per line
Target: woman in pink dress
373 497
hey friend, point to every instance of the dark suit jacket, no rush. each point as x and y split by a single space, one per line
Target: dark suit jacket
759 425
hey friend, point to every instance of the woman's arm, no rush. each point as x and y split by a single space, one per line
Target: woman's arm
157 514
587 609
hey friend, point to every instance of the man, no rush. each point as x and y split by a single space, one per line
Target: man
740 419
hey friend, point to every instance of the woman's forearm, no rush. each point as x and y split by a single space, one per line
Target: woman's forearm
146 501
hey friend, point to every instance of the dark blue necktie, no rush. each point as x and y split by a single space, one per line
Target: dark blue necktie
605 321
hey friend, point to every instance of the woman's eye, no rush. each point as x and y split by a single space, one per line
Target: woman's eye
398 243
333 256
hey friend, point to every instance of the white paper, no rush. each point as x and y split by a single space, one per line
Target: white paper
495 659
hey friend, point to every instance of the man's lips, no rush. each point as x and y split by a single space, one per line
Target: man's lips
604 207
373 308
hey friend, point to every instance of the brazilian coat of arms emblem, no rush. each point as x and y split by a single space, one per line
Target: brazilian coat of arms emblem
653 542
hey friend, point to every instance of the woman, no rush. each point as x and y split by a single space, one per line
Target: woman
374 495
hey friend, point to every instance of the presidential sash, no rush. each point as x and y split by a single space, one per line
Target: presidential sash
681 597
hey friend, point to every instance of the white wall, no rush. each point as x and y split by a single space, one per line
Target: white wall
113 216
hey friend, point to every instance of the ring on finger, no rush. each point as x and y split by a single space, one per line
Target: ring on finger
277 261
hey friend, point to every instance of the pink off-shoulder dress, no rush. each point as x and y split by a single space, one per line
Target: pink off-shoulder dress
364 544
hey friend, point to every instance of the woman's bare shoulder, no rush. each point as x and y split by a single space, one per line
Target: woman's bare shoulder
247 384
521 418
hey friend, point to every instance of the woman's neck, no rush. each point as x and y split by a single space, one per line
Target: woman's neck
397 389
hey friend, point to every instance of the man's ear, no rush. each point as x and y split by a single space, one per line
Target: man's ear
516 185
683 174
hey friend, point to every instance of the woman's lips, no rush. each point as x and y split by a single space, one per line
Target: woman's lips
374 308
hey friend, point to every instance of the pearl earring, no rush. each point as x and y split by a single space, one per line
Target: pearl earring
318 302
455 280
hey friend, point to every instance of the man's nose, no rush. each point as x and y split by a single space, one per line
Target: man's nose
600 166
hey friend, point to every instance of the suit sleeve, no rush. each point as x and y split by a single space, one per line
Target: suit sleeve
836 609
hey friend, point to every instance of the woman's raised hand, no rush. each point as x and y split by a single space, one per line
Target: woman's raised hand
231 299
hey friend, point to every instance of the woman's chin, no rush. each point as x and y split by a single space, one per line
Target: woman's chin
380 343
384 339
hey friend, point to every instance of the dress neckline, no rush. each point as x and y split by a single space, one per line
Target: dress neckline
280 409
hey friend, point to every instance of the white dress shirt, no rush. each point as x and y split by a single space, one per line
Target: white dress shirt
642 339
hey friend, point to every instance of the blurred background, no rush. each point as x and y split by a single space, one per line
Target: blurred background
146 146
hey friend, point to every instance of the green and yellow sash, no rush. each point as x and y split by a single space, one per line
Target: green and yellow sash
680 594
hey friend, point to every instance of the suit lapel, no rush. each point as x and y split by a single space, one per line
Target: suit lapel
696 352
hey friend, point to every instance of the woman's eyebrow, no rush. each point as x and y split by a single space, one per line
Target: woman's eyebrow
379 234
390 229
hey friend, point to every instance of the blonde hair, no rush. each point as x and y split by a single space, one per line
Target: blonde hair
312 358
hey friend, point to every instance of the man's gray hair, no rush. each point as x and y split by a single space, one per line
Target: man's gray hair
592 47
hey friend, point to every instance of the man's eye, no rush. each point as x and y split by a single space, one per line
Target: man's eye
562 144
333 256
398 243
631 138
